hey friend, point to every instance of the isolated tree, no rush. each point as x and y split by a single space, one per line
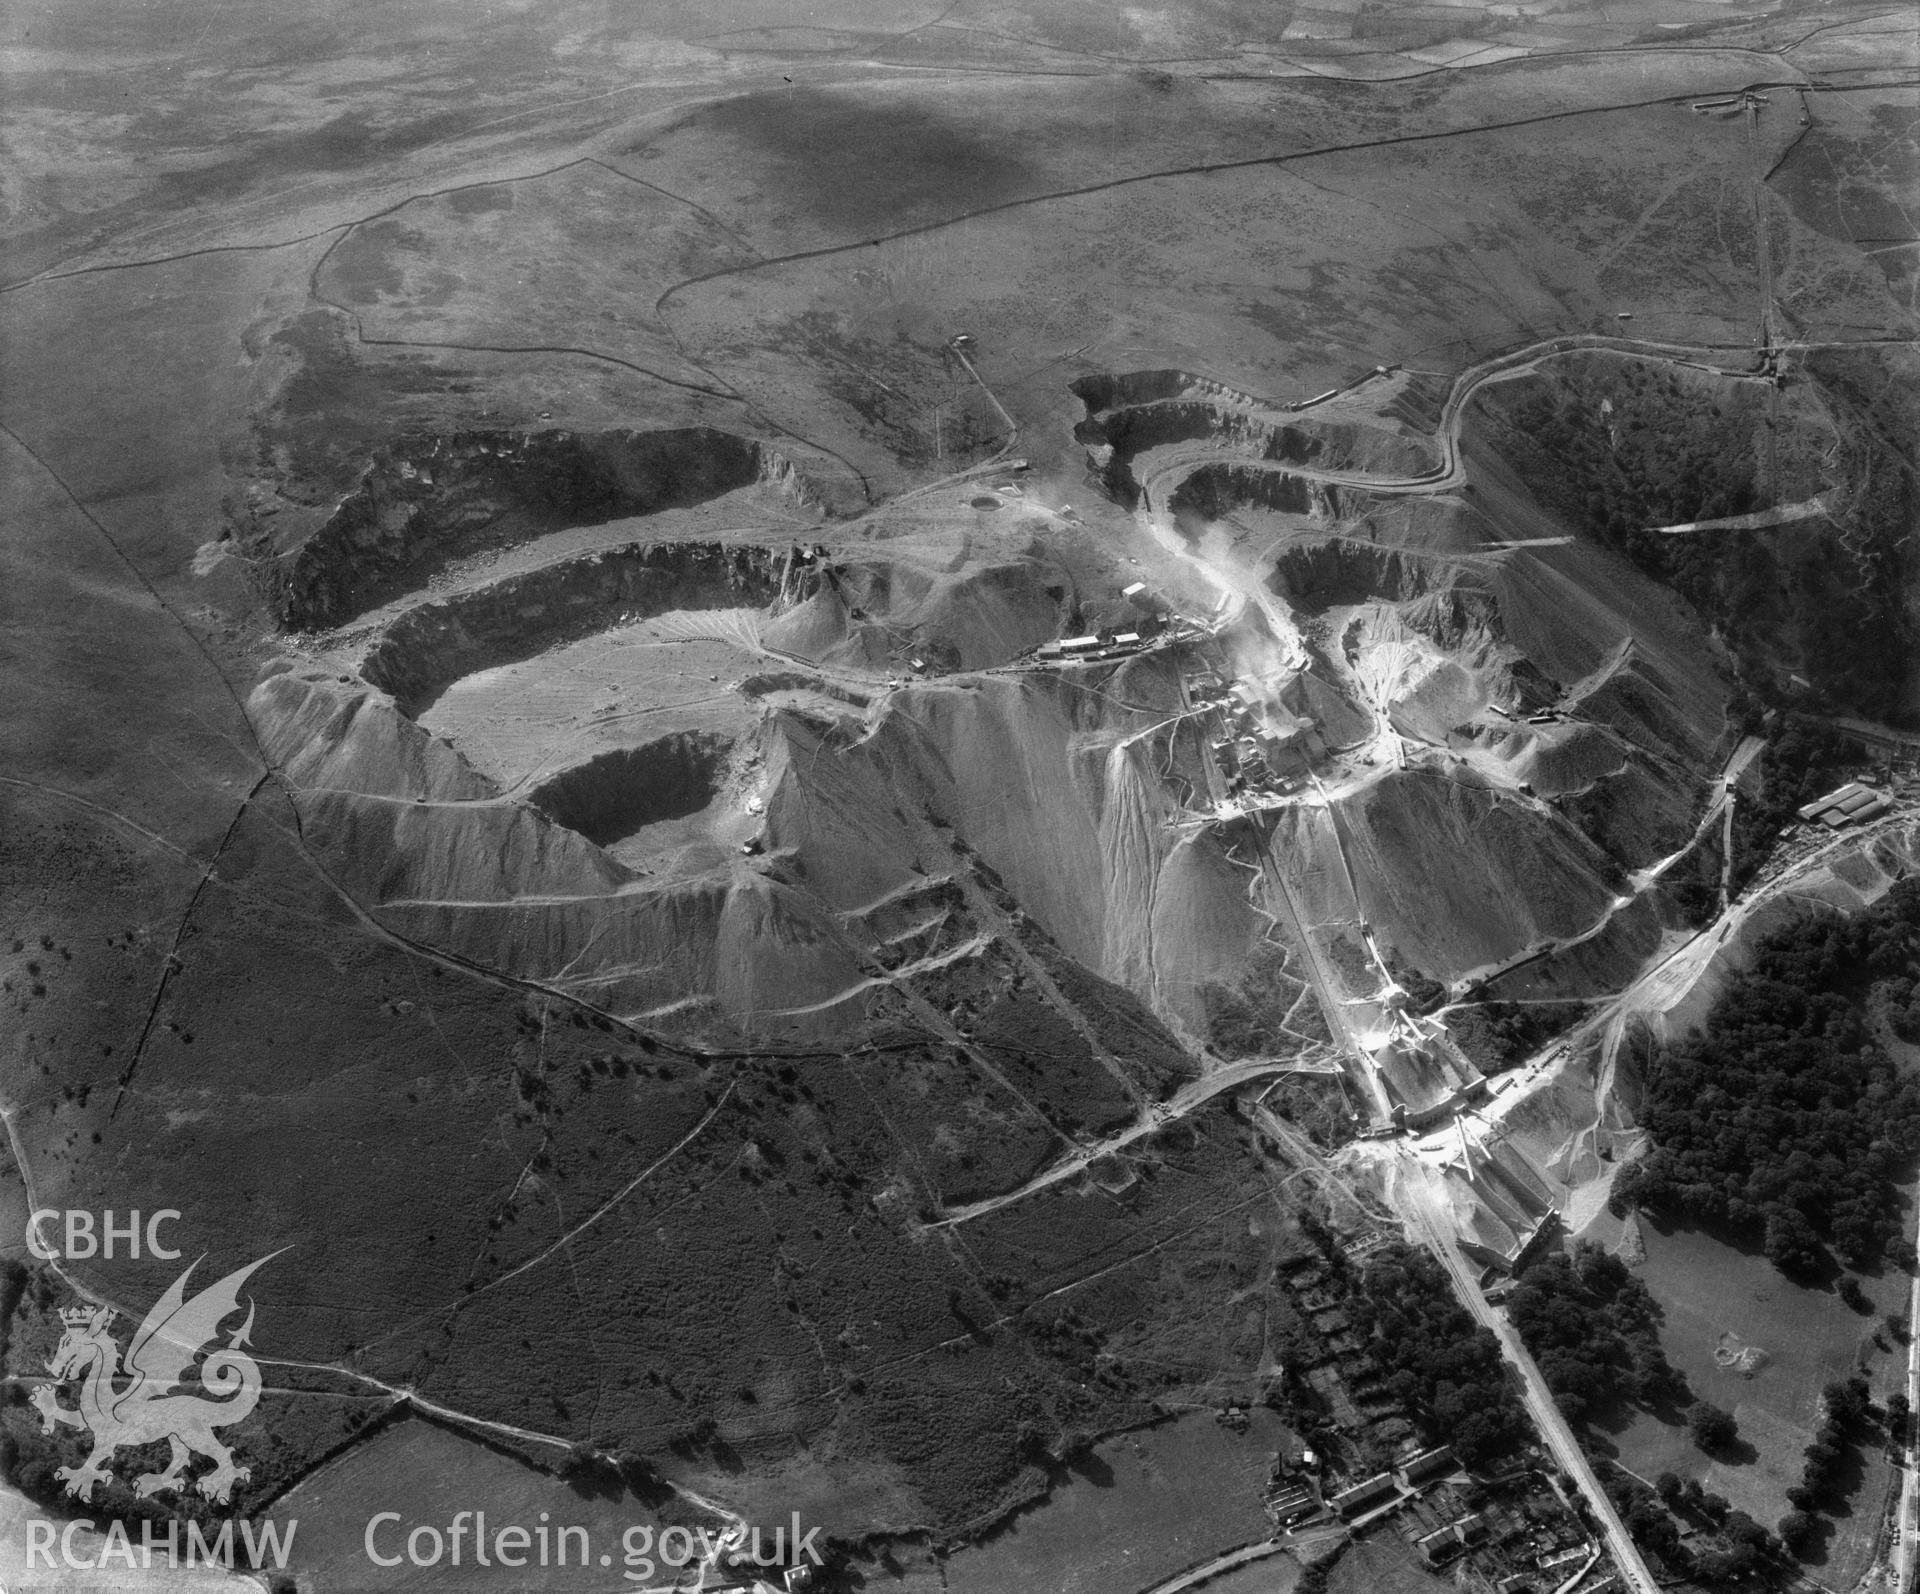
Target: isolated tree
1712 1429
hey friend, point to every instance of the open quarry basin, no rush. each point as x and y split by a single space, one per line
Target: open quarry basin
977 770
702 782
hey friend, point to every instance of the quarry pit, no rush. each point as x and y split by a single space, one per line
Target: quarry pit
1265 727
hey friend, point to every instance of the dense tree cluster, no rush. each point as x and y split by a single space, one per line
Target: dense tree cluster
1738 1548
1846 1414
1653 1529
1797 1530
1803 763
1594 1331
1500 1035
1424 992
1621 448
1246 1019
1783 1120
1440 1363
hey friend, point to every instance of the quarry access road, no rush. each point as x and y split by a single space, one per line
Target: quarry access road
1325 990
1783 514
1863 730
1680 968
1422 1206
1154 1117
1719 808
1656 990
1451 472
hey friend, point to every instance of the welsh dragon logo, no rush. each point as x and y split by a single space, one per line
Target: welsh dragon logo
147 1406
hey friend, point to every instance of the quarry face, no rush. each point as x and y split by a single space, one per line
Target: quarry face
964 776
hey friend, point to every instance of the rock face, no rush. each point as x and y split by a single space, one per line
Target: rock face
1503 734
1772 510
1133 416
618 794
419 506
434 644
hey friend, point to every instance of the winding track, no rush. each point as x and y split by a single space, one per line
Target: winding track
1180 462
1154 1117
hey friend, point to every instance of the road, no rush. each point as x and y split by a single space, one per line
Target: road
1728 799
1300 1154
1906 1524
1719 809
1421 1204
1193 1577
1338 1012
1783 514
1450 473
1574 1581
1864 730
1175 463
1324 989
1155 1117
1762 244
1658 987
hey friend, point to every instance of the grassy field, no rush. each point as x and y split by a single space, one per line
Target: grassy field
1324 252
428 1475
277 120
491 1130
1810 1338
1143 1507
1383 1563
1277 1574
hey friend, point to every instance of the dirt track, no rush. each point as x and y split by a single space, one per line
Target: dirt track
1152 1119
1451 473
